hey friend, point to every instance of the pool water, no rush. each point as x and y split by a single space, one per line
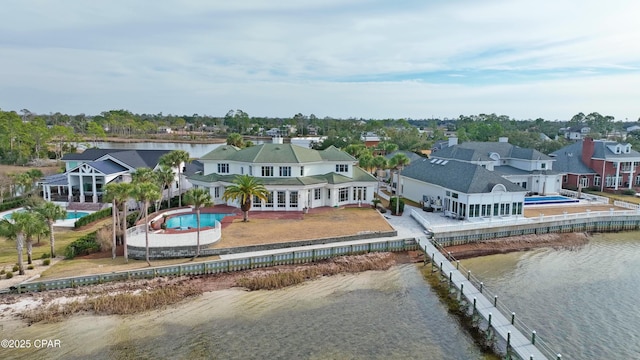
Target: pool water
190 221
71 215
537 200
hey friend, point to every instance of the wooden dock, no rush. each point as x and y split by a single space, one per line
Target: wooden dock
518 343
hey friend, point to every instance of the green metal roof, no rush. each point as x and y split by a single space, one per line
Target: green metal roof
277 154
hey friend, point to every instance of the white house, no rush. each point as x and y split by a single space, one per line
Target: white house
88 172
296 177
527 168
462 189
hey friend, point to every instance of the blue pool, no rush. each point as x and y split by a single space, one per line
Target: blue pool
190 221
557 199
70 214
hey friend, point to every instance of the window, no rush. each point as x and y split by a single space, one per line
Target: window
474 210
609 181
454 195
543 166
267 171
223 168
257 202
496 206
216 192
584 181
316 194
565 178
342 168
269 202
242 170
285 171
282 200
343 194
293 199
359 193
250 170
328 193
637 180
596 180
301 170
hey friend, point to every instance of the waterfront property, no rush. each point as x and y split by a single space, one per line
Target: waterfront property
296 178
87 173
600 164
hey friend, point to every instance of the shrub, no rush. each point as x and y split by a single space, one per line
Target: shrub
45 256
46 262
104 238
83 246
98 215
9 275
2 271
30 267
375 202
392 205
16 268
12 203
628 192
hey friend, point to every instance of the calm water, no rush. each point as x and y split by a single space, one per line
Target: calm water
374 315
190 220
585 302
194 150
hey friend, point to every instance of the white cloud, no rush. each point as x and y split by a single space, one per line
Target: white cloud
524 59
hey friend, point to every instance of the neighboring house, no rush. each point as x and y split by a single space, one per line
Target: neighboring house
632 128
463 189
88 172
576 132
600 164
370 139
296 177
528 168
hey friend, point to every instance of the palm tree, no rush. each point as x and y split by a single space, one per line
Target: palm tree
236 140
398 161
166 177
243 189
146 193
51 212
13 230
34 224
121 193
109 195
198 197
175 159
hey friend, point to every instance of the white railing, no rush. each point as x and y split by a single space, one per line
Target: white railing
625 204
585 196
420 219
208 236
515 220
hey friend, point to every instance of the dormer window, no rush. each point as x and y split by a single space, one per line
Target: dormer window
627 148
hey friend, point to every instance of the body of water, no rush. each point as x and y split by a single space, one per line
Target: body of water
583 302
373 315
194 150
190 220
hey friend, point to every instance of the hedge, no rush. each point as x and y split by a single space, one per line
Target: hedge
102 214
12 204
83 246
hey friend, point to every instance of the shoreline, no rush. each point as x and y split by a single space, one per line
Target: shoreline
55 305
518 243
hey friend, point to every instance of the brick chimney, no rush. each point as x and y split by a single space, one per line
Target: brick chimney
587 150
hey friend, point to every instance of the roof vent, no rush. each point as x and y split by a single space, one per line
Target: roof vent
444 162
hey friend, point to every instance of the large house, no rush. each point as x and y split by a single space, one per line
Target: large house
528 168
600 164
88 172
296 177
461 189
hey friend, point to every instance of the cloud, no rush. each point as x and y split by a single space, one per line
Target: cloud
367 58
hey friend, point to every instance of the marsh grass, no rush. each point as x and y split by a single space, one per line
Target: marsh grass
125 303
287 277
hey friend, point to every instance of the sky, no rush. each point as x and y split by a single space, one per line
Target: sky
372 59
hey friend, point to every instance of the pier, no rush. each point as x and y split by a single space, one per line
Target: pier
526 347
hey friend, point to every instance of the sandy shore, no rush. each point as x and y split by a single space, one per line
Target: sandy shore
16 306
518 243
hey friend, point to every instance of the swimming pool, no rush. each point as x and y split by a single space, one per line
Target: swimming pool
557 199
189 220
71 215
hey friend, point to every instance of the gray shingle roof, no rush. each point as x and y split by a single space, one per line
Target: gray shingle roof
569 160
277 153
139 158
458 176
107 167
87 155
479 151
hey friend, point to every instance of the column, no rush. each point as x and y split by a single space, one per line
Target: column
81 189
617 175
631 171
94 189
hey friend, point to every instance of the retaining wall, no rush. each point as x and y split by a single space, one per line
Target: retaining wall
221 266
136 252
